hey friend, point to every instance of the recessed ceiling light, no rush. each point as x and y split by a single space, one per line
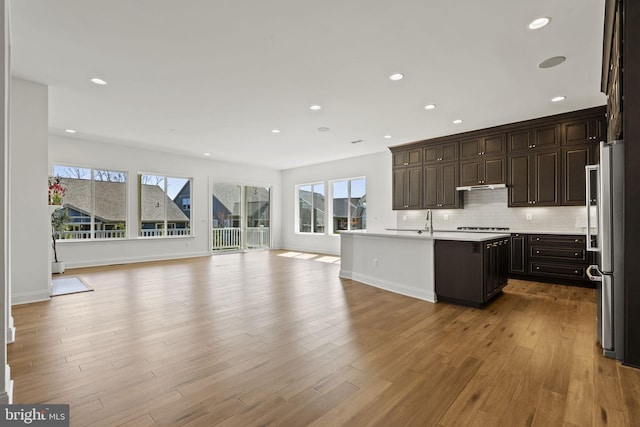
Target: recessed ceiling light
552 62
457 121
558 98
430 106
70 131
98 81
387 137
207 154
538 23
275 130
316 107
323 129
396 76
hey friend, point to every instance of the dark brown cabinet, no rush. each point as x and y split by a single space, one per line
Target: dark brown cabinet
440 182
491 145
483 276
583 131
534 179
407 187
574 160
441 153
518 254
558 256
541 161
411 157
483 171
540 137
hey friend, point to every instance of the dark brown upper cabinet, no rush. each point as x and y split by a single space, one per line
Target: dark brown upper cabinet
534 179
407 187
584 131
441 153
574 160
440 182
483 171
491 145
412 157
539 137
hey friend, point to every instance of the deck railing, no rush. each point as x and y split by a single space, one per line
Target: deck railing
118 234
225 238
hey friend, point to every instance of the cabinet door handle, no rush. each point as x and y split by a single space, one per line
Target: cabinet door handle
537 252
576 240
576 254
537 238
537 268
406 164
576 271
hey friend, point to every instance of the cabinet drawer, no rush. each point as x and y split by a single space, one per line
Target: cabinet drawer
558 270
557 253
578 240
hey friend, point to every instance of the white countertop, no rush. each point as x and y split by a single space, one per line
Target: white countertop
575 232
437 235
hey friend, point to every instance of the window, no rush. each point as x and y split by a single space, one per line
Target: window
311 208
162 208
349 204
96 203
186 204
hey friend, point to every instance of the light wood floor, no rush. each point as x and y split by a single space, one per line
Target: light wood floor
262 339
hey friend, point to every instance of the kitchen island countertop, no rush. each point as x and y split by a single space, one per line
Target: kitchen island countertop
400 261
437 235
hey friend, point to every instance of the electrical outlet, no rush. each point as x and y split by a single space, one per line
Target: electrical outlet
529 217
375 263
445 217
404 217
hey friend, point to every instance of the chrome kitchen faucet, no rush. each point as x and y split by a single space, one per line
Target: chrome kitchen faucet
428 226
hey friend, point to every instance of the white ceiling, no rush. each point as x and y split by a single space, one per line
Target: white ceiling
196 76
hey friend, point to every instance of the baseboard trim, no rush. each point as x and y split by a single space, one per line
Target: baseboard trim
6 395
11 331
29 297
389 286
115 261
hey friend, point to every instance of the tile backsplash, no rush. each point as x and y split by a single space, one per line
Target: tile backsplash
488 208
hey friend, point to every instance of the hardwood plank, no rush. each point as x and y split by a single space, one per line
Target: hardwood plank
255 339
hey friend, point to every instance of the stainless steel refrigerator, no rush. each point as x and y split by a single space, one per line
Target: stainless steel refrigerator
605 237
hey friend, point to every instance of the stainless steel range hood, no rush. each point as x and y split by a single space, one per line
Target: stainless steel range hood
481 187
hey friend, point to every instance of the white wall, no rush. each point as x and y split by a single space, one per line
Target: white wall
30 221
375 167
79 152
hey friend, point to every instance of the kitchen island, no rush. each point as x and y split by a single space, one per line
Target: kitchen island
400 261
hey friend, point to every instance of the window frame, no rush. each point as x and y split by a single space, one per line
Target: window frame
165 224
297 223
332 182
92 222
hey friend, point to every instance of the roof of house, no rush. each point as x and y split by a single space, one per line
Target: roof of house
109 197
229 196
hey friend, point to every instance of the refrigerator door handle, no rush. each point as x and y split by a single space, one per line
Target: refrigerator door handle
592 243
594 277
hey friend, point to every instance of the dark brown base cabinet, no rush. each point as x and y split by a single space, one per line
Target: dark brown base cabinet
550 258
470 273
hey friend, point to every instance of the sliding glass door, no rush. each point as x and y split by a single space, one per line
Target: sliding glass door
241 217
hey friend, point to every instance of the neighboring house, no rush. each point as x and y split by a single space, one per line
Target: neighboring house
183 199
305 199
154 200
341 210
110 206
226 206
